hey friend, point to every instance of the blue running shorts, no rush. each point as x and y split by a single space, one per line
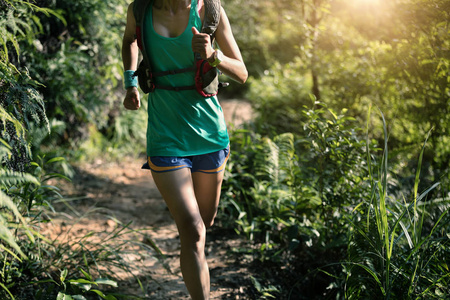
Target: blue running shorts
206 163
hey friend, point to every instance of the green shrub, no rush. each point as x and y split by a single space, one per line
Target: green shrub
290 191
73 50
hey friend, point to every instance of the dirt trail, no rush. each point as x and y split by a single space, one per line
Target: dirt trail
128 193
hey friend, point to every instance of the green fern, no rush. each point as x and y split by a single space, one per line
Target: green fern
10 212
20 103
5 232
10 178
7 117
275 159
20 106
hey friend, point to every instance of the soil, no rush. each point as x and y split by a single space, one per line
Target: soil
106 194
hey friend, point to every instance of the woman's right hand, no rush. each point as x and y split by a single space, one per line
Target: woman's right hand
131 100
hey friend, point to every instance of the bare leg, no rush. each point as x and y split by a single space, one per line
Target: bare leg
177 189
207 191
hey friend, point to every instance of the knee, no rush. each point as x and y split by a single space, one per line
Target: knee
193 233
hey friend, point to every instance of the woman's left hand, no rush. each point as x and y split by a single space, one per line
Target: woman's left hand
201 43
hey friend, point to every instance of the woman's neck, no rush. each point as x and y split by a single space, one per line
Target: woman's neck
172 6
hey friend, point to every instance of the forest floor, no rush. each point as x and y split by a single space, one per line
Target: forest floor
107 193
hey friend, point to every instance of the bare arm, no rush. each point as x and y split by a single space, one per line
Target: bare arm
232 65
130 52
130 49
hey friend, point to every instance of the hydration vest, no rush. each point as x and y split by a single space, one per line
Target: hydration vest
206 76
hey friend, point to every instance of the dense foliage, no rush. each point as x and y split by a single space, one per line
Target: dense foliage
399 64
324 207
336 200
303 184
50 69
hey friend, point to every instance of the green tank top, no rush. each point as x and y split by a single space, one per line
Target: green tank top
182 123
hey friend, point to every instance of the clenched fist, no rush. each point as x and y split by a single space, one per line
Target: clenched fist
201 43
131 100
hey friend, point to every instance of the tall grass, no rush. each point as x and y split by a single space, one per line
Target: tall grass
398 253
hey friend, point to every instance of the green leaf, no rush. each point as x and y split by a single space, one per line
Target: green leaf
266 294
109 297
86 274
82 283
63 296
6 289
372 273
5 144
81 280
5 233
256 283
55 159
106 281
55 175
63 275
9 177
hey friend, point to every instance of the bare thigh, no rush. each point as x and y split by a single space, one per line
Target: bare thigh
190 196
207 189
177 189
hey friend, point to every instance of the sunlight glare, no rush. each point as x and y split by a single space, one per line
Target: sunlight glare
367 3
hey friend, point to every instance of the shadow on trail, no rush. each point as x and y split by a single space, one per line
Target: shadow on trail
127 192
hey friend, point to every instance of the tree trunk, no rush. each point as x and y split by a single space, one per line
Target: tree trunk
314 23
315 87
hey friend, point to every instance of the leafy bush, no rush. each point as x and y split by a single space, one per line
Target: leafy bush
291 192
73 50
20 102
278 97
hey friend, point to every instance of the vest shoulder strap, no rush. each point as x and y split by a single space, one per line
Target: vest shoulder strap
139 8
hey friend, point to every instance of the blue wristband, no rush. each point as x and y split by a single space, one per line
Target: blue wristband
129 79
